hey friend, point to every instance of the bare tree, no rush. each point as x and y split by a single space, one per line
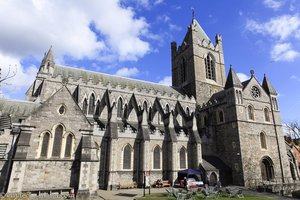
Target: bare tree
293 131
11 73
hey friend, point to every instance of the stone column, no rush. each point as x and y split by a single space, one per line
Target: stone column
112 145
19 163
89 163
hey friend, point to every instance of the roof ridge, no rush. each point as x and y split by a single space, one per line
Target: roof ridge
113 75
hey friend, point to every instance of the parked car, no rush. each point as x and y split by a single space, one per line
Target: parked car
192 182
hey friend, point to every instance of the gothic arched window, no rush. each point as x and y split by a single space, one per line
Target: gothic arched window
84 106
183 69
250 113
267 114
68 149
92 104
45 145
145 106
221 116
97 112
237 97
187 111
57 141
120 108
263 142
167 108
210 67
182 158
241 97
127 157
156 158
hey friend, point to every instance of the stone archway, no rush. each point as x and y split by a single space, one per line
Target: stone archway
213 179
267 170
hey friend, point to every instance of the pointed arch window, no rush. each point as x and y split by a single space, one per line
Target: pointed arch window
120 108
182 158
156 158
183 69
97 111
263 142
68 150
237 97
127 157
241 97
45 145
187 111
167 108
250 112
221 116
145 106
150 114
210 67
57 141
275 105
92 104
267 114
84 106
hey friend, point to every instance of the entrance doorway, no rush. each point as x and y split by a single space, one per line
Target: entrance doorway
267 170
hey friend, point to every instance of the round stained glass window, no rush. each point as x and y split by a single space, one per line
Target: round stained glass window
62 110
255 92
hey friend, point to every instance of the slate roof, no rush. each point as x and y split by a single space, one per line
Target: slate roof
17 109
106 79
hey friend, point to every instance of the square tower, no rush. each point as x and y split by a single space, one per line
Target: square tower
197 64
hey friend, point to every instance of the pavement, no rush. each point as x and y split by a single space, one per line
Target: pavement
131 194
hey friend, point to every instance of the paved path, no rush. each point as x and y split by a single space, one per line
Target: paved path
130 194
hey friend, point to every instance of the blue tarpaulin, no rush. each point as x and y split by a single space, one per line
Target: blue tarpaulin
190 171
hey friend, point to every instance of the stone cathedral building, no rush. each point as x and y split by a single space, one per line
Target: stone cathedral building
88 130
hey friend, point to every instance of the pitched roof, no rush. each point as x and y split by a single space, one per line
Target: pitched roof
17 109
113 80
268 86
196 29
232 80
200 32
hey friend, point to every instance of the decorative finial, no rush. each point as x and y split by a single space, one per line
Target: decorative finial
252 72
193 12
230 65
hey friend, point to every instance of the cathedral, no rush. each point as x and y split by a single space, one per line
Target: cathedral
88 130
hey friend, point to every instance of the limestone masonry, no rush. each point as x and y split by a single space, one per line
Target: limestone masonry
87 130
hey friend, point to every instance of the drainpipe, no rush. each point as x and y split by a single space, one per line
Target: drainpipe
277 141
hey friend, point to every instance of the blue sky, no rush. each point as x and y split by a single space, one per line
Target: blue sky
132 38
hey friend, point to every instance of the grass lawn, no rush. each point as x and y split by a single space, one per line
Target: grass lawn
164 196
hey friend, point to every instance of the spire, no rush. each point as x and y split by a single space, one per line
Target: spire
268 86
47 62
232 80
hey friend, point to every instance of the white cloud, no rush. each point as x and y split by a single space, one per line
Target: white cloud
274 4
280 27
127 72
156 2
29 27
174 27
293 77
23 78
243 77
166 81
283 52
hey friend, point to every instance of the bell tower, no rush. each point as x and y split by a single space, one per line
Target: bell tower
197 64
